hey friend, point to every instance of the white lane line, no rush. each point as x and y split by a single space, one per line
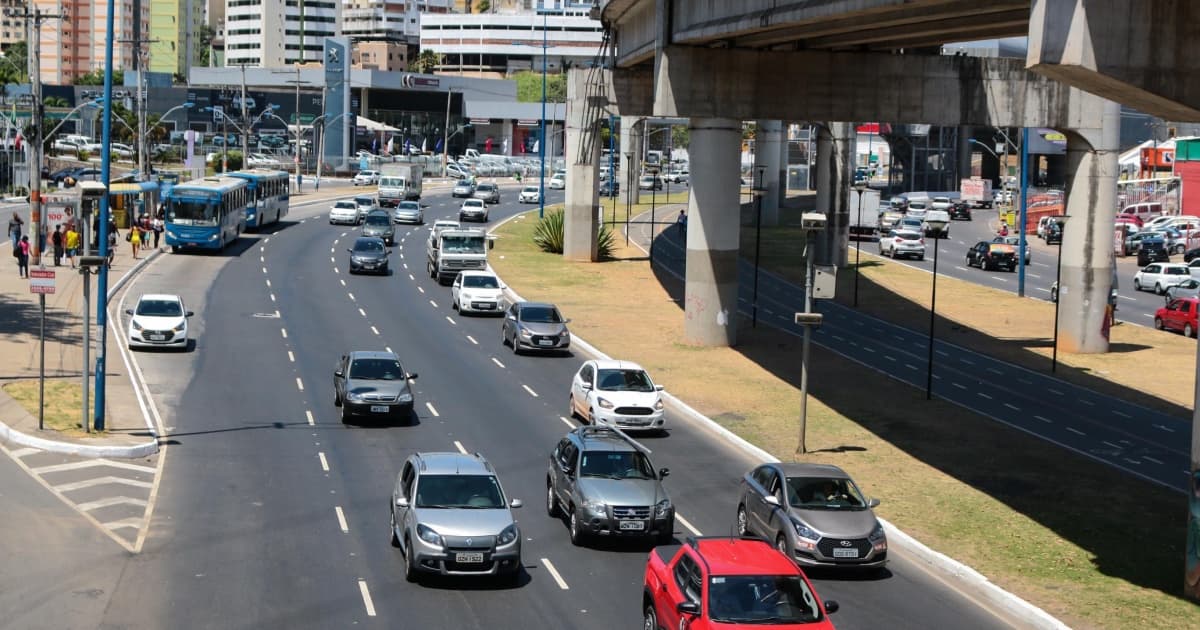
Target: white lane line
1044 419
330 250
291 357
472 340
89 463
452 322
264 270
1151 459
959 385
983 395
1012 406
410 277
1033 275
433 304
942 352
366 597
1116 446
960 268
98 481
1164 428
967 361
343 234
324 462
1024 381
272 297
405 265
268 283
567 422
1054 391
910 366
994 371
375 330
336 270
262 259
342 281
1087 402
689 526
531 392
1076 431
332 259
341 517
22 452
299 384
109 502
554 574
1121 413
497 362
388 348
432 410
1043 289
308 415
351 296
889 357
283 331
362 312
461 449
421 289
267 240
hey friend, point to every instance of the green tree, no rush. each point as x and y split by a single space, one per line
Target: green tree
681 136
15 72
205 37
529 87
55 101
483 6
427 62
96 77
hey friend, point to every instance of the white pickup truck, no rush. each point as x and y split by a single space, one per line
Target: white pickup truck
451 249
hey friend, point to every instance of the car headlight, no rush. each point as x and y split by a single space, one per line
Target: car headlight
564 334
405 398
213 237
507 536
353 397
428 535
876 534
658 404
525 333
181 327
171 234
804 531
604 404
136 326
662 508
595 507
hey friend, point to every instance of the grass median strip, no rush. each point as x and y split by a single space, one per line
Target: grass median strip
1057 529
63 404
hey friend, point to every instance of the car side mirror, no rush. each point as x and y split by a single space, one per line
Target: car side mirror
188 314
350 250
831 606
873 503
515 503
338 373
771 500
129 311
424 205
491 244
585 387
693 608
402 502
512 317
567 321
658 388
663 472
412 376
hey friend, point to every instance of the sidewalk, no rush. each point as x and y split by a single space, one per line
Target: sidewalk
126 433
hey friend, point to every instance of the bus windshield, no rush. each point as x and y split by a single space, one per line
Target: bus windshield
463 245
191 212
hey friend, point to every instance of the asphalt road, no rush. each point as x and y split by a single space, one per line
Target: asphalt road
272 513
1141 441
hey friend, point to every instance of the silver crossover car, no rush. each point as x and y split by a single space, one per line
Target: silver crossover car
449 516
813 513
535 326
374 385
409 212
488 192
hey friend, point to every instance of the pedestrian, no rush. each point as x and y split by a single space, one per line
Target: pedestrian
135 239
1003 228
681 222
23 257
157 227
14 228
72 243
56 239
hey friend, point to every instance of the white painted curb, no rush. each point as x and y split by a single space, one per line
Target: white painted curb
960 575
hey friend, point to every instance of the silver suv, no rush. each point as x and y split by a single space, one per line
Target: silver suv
605 484
449 517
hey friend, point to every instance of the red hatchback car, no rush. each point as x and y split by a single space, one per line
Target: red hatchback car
729 583
1179 314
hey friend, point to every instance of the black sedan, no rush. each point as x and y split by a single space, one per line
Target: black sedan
369 255
987 256
961 210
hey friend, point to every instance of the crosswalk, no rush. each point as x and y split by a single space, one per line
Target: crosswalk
115 495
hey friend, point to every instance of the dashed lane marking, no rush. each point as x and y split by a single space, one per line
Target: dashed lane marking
375 330
472 340
1075 431
959 385
451 320
324 462
342 281
689 526
531 392
1044 419
341 517
1121 413
433 410
461 449
291 357
567 422
497 362
983 395
433 304
388 348
554 574
272 297
308 416
1012 406
351 296
366 597
421 289
1151 459
362 312
299 384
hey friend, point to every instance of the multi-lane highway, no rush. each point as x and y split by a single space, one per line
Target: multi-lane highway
271 513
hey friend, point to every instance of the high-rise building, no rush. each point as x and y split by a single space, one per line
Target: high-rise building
270 33
11 29
75 46
175 32
392 20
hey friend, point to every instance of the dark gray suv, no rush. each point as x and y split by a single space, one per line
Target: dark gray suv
372 385
379 224
604 483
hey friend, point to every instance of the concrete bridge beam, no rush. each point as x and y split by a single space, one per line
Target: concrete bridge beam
835 172
769 159
632 129
710 291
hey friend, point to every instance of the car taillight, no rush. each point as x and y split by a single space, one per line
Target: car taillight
899 240
922 241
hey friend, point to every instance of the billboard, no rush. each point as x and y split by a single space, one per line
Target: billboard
339 119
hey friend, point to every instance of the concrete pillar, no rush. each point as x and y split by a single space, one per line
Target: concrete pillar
835 173
580 227
1087 251
767 157
710 292
631 159
965 150
783 164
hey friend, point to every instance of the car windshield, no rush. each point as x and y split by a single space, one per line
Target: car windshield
159 308
364 201
481 282
190 211
530 189
615 465
376 369
463 245
409 205
485 188
761 599
541 315
378 219
618 380
368 246
824 493
348 205
479 492
474 203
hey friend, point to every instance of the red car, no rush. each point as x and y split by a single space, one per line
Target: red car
722 582
1179 314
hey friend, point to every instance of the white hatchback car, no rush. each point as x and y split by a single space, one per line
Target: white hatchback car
1159 276
344 211
158 321
899 243
557 181
365 178
616 393
477 292
529 194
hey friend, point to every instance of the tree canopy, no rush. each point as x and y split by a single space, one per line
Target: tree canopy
529 87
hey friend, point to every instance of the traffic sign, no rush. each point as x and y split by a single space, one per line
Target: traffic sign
41 281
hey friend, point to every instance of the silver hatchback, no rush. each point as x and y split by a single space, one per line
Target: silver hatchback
449 516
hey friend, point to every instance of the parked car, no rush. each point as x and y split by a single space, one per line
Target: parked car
610 188
409 212
456 171
365 178
1159 276
1143 211
1133 241
463 188
535 326
899 243
987 256
477 292
1015 241
488 192
1179 314
450 516
158 321
369 255
812 512
379 224
372 384
530 194
616 393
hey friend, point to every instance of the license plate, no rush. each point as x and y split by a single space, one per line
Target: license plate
632 525
545 342
156 337
484 307
845 553
379 409
468 558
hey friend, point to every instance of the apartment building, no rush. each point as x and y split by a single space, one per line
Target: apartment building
174 31
75 46
273 33
11 29
396 20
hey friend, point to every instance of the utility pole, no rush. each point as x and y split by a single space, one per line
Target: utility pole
142 55
33 23
245 120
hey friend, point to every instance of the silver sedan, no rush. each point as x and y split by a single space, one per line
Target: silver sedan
1187 288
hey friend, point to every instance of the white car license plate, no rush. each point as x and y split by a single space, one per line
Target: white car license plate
545 342
632 525
468 558
485 306
156 337
845 553
379 409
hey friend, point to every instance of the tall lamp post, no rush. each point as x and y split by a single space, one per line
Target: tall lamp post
1058 293
936 225
542 138
860 189
811 223
758 191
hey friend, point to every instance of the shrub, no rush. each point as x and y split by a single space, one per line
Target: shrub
82 155
548 235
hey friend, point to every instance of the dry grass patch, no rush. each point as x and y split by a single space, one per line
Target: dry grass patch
63 404
1044 523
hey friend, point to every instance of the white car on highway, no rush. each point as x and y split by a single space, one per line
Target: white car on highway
365 178
558 181
897 243
616 393
344 211
477 292
1159 276
529 194
158 321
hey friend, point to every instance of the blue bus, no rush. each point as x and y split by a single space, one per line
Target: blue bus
269 196
206 213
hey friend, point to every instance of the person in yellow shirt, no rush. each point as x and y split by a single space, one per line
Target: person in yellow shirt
72 244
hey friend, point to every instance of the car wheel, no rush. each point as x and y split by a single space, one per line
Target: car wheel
1188 331
743 525
516 345
649 617
345 414
410 563
551 502
337 399
1158 323
1158 288
571 413
781 544
1137 286
576 529
392 520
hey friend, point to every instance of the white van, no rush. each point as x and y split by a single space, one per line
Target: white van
1144 211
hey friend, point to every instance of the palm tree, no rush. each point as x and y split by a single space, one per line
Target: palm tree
427 61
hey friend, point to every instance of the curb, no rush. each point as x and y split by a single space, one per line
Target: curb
959 575
142 449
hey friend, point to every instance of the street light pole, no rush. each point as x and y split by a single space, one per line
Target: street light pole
937 227
758 193
807 319
858 246
245 119
1058 288
542 140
